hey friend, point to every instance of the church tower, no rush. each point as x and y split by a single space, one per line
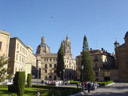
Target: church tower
116 44
67 47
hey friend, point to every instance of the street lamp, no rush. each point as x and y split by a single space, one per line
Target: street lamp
37 66
82 67
63 74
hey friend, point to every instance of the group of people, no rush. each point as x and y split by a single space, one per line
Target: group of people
55 82
89 86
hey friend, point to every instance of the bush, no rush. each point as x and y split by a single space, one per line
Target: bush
12 88
3 86
58 91
29 77
74 82
104 83
19 83
64 92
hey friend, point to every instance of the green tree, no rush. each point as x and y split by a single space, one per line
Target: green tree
29 77
87 72
3 70
60 61
19 83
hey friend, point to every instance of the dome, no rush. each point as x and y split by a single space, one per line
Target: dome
126 37
43 39
43 48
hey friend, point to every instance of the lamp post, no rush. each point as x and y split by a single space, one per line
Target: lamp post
82 67
63 74
37 66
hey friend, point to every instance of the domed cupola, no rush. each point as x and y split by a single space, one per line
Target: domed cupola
43 48
126 37
43 39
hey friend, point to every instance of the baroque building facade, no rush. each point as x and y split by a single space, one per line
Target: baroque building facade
48 61
103 64
47 67
21 57
121 52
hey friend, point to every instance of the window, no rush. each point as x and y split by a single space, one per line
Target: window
45 77
50 77
17 45
45 71
0 45
96 65
50 65
95 60
45 65
96 74
55 66
16 56
20 48
54 77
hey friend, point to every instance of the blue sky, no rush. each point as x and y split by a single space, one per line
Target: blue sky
102 21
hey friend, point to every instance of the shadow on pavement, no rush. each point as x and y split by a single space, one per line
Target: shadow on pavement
108 94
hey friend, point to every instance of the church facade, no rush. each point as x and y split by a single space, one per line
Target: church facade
121 52
48 61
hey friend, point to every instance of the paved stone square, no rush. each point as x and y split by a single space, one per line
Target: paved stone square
118 89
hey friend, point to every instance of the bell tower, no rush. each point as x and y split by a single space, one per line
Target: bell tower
67 47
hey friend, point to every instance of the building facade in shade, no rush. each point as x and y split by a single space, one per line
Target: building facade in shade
103 64
49 61
121 52
21 57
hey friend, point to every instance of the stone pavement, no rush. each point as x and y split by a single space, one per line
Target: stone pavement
117 89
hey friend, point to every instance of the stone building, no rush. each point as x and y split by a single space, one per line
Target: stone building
103 65
21 57
121 52
48 60
4 43
70 63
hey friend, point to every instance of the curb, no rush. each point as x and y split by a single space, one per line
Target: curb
110 84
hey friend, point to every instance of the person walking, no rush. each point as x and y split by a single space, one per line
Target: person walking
38 94
89 86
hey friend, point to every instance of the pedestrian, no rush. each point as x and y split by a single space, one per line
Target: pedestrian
77 85
89 85
38 94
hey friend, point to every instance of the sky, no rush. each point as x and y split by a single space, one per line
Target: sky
102 21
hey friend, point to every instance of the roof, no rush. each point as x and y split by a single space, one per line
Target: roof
3 32
49 55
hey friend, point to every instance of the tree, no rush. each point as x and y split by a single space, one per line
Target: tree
60 61
29 77
19 83
3 69
87 72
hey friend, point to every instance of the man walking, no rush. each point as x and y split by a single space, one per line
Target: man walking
89 86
